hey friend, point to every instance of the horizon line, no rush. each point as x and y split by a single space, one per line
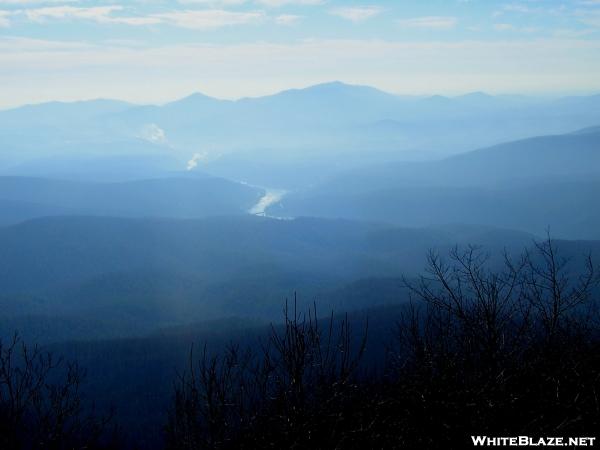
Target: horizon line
414 96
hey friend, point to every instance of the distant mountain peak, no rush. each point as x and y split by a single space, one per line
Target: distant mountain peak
198 96
476 95
331 84
335 88
194 99
340 86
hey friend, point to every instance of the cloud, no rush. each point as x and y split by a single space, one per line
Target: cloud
213 3
34 2
209 18
357 14
589 17
280 3
511 27
29 46
95 13
287 19
135 21
4 21
79 70
503 27
591 21
572 33
521 8
431 22
193 19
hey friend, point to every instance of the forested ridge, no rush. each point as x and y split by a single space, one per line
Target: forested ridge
477 349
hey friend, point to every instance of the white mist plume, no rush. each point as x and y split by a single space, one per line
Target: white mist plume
153 133
196 158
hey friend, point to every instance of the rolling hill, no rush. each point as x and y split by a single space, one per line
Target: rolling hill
182 197
126 277
531 184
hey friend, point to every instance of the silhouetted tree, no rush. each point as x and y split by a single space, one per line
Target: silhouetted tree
288 394
40 401
507 351
480 350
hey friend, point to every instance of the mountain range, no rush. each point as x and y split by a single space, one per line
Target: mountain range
548 182
321 129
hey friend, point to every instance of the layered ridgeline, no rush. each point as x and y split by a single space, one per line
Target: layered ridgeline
127 232
69 277
86 277
134 374
289 139
23 198
532 184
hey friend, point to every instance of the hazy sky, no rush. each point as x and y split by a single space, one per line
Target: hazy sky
157 50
